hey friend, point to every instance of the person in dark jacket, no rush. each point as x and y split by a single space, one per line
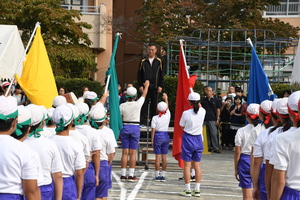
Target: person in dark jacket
151 68
212 119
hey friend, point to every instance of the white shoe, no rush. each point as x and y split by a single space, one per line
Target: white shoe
233 149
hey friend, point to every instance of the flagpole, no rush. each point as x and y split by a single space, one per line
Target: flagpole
187 71
107 82
249 41
24 54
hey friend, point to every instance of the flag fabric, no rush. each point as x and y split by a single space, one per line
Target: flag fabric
259 88
183 89
114 106
37 80
296 67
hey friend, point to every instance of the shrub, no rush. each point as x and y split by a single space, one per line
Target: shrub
76 84
280 88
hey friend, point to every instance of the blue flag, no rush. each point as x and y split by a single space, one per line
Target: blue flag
259 88
114 107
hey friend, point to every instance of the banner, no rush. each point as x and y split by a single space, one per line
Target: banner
37 79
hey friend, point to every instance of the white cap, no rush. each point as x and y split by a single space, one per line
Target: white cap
37 114
24 114
83 108
293 100
44 109
266 106
281 106
274 105
162 106
63 112
75 110
85 94
98 113
50 112
131 91
8 106
90 95
59 100
194 96
253 109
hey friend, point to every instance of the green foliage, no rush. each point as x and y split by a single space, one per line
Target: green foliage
162 20
76 84
280 88
71 61
67 45
170 88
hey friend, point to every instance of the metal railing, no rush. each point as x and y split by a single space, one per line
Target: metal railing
84 9
285 8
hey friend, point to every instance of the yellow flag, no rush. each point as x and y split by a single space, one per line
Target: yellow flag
37 79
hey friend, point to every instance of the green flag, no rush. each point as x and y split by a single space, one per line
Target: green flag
114 107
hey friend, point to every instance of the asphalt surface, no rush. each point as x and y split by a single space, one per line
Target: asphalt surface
218 181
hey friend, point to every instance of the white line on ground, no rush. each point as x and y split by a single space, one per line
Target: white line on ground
203 186
121 184
202 194
134 192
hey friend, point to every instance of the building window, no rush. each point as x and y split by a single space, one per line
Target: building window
286 8
72 2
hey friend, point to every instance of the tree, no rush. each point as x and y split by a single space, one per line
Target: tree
165 19
66 43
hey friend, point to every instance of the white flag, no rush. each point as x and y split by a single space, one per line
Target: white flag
296 67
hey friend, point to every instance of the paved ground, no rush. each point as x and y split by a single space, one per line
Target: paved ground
218 180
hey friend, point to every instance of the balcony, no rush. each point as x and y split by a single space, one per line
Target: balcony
95 16
85 10
288 9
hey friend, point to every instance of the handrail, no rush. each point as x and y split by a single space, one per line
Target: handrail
83 9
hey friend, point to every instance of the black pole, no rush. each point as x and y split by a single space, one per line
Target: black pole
148 130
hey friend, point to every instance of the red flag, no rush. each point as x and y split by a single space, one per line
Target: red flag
192 80
183 89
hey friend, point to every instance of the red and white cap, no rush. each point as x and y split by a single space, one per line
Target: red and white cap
274 106
293 100
162 106
281 107
265 106
253 110
4 84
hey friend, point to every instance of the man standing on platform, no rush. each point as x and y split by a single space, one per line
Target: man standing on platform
212 106
151 68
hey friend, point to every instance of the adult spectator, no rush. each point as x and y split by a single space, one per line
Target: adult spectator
212 117
231 93
237 119
123 97
19 95
239 92
286 93
225 122
151 68
83 90
61 91
218 94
